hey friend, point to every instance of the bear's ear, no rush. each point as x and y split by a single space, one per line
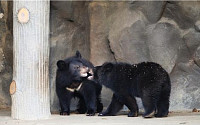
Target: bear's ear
96 68
78 54
108 67
61 64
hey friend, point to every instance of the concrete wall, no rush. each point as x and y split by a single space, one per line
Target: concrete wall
164 32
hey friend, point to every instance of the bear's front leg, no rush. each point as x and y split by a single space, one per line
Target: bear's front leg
81 105
64 99
113 108
89 95
131 103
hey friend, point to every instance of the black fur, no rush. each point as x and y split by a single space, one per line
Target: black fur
146 80
69 76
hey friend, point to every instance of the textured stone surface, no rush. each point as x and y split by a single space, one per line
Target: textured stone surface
184 13
164 41
153 10
98 33
163 32
185 86
5 53
126 23
127 48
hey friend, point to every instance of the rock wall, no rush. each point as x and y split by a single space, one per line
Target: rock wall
6 41
164 32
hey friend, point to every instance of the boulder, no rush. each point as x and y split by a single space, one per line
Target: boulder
164 41
153 10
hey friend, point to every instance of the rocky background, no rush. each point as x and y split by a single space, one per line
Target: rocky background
164 32
6 57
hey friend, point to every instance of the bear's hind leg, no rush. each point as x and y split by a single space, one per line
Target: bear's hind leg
131 103
163 104
113 108
149 104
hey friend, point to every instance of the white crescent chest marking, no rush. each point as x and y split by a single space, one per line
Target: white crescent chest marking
75 89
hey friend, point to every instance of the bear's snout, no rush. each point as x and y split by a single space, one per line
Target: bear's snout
84 71
90 74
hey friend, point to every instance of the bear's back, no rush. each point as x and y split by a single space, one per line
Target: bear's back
150 68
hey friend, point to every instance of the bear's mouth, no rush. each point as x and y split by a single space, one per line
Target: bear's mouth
90 76
87 73
84 74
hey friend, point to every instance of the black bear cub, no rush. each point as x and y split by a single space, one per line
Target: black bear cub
146 80
72 81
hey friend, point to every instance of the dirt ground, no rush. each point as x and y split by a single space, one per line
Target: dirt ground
174 118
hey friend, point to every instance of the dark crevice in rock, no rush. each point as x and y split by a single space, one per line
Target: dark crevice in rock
197 26
70 20
9 20
112 52
163 10
173 69
170 2
189 51
1 10
195 62
132 2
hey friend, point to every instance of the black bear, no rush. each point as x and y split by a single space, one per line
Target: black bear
72 81
146 80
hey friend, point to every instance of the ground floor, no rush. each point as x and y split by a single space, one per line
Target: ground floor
175 118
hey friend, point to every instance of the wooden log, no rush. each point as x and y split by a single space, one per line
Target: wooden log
30 91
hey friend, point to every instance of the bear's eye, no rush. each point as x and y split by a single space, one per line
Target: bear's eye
76 67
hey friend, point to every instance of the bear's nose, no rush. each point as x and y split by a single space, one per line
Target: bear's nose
86 68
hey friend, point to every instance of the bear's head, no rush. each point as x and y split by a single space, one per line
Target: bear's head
72 70
103 74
